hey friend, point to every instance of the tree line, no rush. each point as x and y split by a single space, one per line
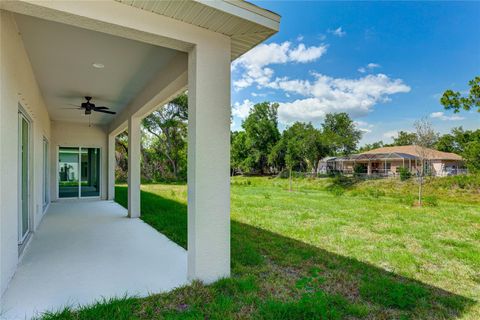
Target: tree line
260 147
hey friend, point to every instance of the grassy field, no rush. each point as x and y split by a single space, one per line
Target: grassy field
324 251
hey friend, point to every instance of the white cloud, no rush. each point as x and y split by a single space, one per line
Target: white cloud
391 134
442 116
326 94
303 54
254 64
339 32
363 126
241 110
368 67
302 87
300 37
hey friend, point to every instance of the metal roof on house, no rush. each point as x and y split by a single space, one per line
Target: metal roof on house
413 150
372 156
396 152
245 23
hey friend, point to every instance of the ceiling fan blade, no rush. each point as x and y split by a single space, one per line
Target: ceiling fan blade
101 108
72 108
105 111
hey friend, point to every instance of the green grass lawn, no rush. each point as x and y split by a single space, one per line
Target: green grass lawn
365 253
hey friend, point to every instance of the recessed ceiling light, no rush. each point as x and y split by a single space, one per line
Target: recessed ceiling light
98 65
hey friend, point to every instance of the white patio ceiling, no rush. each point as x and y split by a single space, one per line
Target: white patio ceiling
62 57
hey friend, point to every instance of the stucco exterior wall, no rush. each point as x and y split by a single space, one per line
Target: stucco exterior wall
442 167
67 134
17 86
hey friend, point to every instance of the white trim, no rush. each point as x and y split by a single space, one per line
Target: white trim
245 11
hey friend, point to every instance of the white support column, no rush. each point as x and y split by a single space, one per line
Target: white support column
209 161
134 167
111 167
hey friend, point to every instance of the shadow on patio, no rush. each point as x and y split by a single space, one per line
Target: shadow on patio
275 276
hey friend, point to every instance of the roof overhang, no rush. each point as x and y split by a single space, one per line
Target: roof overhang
246 24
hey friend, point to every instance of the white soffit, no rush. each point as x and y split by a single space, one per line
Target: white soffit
246 24
62 57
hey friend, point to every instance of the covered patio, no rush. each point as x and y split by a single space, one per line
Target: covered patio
84 251
76 74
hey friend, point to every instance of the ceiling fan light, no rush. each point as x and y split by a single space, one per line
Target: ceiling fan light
98 65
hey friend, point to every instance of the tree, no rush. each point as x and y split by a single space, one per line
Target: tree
404 138
238 151
463 142
300 148
261 130
121 157
425 140
472 156
341 132
454 99
447 143
168 127
371 146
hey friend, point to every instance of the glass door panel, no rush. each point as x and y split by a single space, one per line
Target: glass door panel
90 172
24 147
68 172
45 174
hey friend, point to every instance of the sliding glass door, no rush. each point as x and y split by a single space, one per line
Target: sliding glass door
90 172
79 172
23 177
46 198
68 182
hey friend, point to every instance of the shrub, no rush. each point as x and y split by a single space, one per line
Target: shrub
120 175
334 173
359 170
336 190
405 174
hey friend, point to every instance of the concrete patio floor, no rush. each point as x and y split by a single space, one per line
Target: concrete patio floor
84 251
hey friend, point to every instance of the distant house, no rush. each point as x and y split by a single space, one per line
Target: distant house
387 161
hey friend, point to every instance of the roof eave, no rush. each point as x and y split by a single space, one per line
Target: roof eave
246 11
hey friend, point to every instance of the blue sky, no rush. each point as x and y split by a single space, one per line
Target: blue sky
384 63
